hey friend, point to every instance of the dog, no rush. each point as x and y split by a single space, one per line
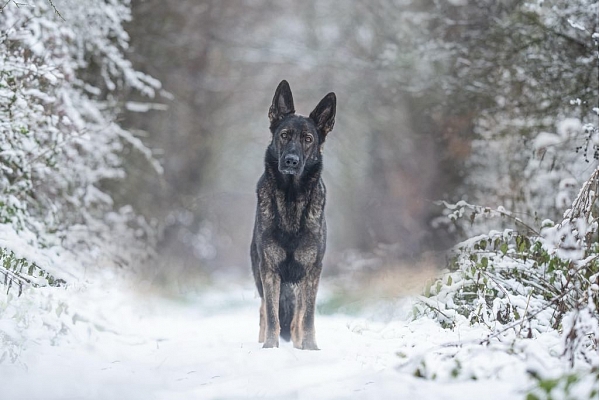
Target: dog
289 235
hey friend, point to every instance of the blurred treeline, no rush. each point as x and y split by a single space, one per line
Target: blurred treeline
436 100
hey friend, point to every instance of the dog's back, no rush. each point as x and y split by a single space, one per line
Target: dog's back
289 235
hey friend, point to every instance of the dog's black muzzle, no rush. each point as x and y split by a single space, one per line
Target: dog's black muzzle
290 164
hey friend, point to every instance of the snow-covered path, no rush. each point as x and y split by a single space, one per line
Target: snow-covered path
146 347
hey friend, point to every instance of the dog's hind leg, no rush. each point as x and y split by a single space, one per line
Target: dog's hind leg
287 301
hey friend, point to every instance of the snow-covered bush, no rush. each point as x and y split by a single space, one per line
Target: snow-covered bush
521 284
530 281
537 135
570 386
61 70
533 145
63 67
529 70
512 89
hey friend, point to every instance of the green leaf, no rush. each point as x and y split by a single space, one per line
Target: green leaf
496 243
484 262
548 384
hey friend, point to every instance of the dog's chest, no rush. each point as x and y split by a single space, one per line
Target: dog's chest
291 212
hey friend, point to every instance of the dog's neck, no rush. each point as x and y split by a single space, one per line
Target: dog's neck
294 185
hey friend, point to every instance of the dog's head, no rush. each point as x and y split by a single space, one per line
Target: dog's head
298 140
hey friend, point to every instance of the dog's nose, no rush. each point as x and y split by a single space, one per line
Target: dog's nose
291 160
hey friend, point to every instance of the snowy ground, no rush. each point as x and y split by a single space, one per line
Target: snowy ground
117 343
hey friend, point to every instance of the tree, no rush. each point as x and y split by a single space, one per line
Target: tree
62 67
511 87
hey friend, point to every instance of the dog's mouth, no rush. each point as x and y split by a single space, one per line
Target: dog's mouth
290 170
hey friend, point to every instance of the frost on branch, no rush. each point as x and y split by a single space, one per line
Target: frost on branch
60 82
520 284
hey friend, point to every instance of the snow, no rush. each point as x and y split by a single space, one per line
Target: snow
136 106
545 139
107 336
125 340
458 2
569 127
576 25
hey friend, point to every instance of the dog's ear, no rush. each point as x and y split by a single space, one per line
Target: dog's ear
283 102
324 114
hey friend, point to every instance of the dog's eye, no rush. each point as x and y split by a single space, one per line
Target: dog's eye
284 135
308 139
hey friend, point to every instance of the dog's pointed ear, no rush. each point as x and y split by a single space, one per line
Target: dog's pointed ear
283 102
324 114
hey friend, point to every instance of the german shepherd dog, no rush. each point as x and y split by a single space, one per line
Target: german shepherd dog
288 242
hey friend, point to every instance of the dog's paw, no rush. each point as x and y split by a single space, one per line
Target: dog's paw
270 343
310 345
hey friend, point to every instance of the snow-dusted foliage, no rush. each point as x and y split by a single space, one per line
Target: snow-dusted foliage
62 66
521 79
522 284
538 133
529 71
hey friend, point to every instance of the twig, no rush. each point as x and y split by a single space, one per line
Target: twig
526 310
526 317
56 10
4 6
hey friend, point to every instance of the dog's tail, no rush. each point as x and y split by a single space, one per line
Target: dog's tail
287 302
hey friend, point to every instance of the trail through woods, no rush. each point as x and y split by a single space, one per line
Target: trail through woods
117 344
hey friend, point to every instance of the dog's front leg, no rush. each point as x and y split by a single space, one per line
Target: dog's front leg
271 286
263 329
311 284
297 324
